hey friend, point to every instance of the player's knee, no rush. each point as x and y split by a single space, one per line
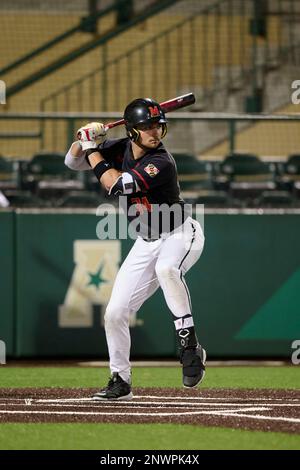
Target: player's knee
114 315
164 271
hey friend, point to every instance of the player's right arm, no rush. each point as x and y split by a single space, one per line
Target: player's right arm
106 174
86 154
87 138
75 158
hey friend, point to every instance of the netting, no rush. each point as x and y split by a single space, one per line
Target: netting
208 139
235 55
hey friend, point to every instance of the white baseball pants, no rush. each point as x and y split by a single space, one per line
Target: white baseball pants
147 266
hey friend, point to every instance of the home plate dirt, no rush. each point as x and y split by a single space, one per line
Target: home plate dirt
265 410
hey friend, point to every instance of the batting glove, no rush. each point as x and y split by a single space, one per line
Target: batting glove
89 134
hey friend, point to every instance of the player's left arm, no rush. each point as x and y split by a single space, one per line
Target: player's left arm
106 175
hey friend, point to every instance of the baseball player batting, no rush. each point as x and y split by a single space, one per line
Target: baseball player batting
142 172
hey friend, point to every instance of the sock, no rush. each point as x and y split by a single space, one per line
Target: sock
185 332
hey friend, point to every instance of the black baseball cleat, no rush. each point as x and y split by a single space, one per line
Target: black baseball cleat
117 389
193 365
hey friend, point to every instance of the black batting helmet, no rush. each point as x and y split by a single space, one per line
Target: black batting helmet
143 111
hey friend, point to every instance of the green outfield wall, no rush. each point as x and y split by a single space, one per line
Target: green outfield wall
7 279
56 280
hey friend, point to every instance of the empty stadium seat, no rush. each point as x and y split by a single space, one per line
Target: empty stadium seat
245 176
182 159
290 174
47 176
293 163
192 173
243 167
8 174
49 164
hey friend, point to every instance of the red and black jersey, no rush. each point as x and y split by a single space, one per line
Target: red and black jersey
153 178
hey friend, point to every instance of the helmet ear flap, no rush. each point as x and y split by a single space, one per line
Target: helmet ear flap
164 130
133 134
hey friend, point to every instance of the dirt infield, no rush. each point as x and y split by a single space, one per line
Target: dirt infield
264 410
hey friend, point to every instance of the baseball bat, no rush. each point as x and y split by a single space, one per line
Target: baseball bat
167 106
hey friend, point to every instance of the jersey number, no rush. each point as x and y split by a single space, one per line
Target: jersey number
142 204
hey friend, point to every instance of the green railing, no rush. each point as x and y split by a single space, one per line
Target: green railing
67 123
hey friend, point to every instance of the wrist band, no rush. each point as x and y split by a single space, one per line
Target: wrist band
101 168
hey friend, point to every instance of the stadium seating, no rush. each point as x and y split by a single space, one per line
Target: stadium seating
245 177
290 173
240 180
192 173
9 176
47 176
